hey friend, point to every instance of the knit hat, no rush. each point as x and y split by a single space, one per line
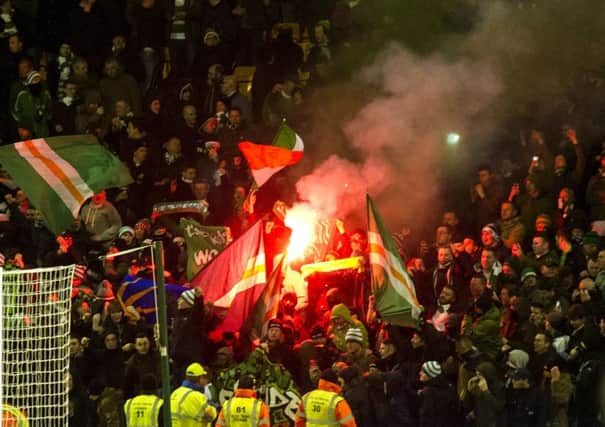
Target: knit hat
189 296
432 368
105 291
125 229
274 323
31 76
492 229
527 272
212 144
354 334
195 370
517 359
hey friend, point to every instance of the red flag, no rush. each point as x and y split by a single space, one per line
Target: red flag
235 279
266 160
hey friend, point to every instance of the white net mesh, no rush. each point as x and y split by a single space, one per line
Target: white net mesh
34 343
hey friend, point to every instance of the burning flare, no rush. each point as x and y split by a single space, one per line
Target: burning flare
301 219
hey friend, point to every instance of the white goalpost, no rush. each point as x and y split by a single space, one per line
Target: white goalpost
34 346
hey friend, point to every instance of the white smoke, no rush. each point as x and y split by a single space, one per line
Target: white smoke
399 135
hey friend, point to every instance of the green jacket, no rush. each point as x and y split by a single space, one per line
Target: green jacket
33 113
340 311
485 332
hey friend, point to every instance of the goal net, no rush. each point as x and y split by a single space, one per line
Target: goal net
34 344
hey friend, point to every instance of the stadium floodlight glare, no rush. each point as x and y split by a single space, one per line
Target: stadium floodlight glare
452 138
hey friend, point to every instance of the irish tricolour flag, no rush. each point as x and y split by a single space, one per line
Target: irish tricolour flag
59 174
392 286
267 160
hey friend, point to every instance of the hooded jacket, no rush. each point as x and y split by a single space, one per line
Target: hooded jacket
340 311
485 332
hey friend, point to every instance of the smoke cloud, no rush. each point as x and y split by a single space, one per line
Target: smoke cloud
383 132
399 135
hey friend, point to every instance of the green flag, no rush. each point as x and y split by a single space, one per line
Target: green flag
392 286
58 174
203 244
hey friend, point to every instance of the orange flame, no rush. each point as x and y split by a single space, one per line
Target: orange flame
301 219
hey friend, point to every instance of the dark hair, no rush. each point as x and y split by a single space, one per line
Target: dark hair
349 374
235 108
246 381
450 288
479 277
149 383
484 167
575 312
138 123
330 375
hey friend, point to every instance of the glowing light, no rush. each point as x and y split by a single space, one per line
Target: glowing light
301 219
452 138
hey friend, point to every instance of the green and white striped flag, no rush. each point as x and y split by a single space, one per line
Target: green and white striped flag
392 286
58 174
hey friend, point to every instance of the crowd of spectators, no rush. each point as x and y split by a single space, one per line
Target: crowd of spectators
513 328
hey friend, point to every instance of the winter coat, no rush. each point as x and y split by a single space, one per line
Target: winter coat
487 405
341 311
138 366
595 197
103 222
558 400
525 408
485 332
123 87
356 395
109 408
438 403
33 112
512 231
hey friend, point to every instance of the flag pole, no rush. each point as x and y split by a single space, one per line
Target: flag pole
158 273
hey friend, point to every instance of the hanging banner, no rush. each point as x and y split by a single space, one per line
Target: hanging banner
204 243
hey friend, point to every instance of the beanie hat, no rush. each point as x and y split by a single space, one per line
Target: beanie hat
31 76
492 229
432 368
274 323
189 296
527 272
517 359
105 291
125 229
330 375
354 334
